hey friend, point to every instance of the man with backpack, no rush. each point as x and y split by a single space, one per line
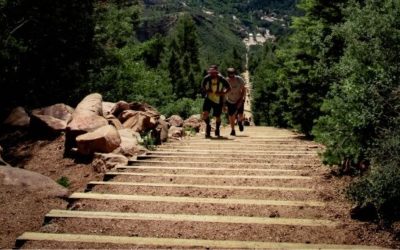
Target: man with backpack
214 86
235 99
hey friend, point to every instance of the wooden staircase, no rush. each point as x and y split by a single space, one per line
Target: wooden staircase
258 190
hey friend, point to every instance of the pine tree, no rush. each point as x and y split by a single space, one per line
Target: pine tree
307 71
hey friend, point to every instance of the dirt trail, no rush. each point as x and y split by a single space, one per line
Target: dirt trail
280 199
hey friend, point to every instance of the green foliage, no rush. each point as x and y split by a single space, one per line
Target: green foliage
184 107
307 61
362 111
45 49
182 59
125 69
148 141
64 181
364 102
298 74
268 96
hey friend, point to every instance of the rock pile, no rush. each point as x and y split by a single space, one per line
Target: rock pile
111 132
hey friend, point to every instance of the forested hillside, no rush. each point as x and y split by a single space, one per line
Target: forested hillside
336 78
153 50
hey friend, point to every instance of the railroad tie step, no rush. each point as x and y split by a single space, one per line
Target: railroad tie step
191 218
260 188
266 170
175 242
212 176
199 200
260 164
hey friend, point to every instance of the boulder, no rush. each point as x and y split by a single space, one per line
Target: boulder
107 108
59 111
112 120
139 106
104 140
18 117
45 124
162 128
119 107
194 122
2 162
175 121
28 180
104 162
130 143
176 132
51 120
87 117
138 121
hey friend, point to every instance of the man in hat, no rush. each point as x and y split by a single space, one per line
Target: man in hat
235 99
215 87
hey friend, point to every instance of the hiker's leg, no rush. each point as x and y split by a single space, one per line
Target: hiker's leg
206 116
232 116
217 113
240 117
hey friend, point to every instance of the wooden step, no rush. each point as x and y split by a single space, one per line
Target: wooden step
174 242
268 170
176 199
227 158
191 218
260 188
213 163
238 151
209 176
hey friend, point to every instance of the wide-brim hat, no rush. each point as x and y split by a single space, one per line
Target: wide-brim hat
231 70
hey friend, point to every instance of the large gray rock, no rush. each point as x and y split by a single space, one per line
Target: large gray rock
18 117
104 162
104 140
28 180
87 117
175 120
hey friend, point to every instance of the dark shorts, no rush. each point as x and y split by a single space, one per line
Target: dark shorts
233 109
208 105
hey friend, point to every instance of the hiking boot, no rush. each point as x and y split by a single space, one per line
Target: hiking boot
233 133
240 126
208 131
217 132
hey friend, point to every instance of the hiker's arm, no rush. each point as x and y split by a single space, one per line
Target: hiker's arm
226 86
203 86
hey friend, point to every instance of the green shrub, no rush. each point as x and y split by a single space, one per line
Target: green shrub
148 141
184 107
64 181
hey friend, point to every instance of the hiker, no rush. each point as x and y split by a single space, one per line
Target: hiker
235 99
215 87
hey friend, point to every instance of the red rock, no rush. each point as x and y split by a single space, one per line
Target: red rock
17 118
103 140
175 121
